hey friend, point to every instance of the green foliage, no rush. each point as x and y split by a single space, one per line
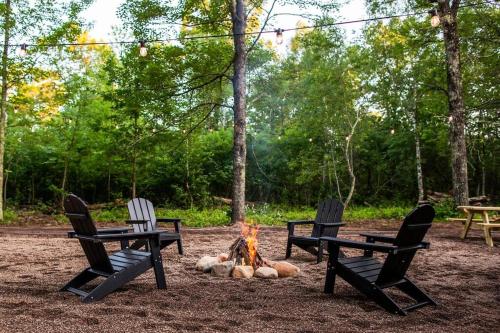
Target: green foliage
9 216
107 121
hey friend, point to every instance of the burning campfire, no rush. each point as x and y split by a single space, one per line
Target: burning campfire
244 249
244 260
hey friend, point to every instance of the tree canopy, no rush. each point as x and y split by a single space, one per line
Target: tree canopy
334 116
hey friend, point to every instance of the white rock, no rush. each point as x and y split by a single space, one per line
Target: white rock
222 269
206 263
242 272
266 273
223 257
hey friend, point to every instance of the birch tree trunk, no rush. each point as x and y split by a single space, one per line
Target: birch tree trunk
66 163
349 159
418 155
238 16
134 157
420 177
3 102
448 15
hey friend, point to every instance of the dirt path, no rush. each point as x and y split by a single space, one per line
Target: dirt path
463 277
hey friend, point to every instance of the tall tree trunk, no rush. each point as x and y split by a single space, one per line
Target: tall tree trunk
448 15
418 156
134 174
188 189
3 106
108 187
349 159
134 156
420 178
238 15
66 163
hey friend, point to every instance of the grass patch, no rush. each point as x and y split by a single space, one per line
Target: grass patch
270 215
9 216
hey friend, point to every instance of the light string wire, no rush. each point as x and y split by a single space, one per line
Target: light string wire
250 33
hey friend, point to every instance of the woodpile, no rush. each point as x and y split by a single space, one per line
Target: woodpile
240 251
438 197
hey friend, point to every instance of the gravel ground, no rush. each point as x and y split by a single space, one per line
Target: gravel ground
462 276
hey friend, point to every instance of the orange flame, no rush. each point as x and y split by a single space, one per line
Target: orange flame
249 232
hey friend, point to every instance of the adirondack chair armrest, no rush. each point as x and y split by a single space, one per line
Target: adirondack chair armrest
378 238
136 221
360 245
422 245
295 222
175 221
291 225
100 238
113 230
330 225
128 236
71 234
168 220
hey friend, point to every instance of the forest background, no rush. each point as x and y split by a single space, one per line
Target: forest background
362 119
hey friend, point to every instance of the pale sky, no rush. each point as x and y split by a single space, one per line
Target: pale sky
102 14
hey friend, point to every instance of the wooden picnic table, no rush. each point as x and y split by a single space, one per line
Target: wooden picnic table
486 223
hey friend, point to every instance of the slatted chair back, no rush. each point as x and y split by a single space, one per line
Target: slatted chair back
142 209
79 216
329 211
411 233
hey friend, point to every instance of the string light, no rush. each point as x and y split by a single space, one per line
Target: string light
450 119
393 131
279 137
23 50
310 140
435 21
279 36
143 51
276 31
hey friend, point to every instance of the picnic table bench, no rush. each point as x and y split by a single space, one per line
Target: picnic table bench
486 222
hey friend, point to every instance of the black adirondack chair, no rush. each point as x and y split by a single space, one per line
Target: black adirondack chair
118 268
371 276
143 218
327 223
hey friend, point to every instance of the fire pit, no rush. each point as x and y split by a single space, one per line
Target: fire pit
244 260
245 247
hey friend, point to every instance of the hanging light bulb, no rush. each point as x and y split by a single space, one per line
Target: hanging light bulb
23 51
279 137
393 131
279 36
143 51
435 21
310 140
450 119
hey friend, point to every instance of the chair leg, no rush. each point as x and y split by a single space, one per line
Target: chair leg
80 280
333 253
157 263
116 281
288 248
382 299
179 246
415 292
319 257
